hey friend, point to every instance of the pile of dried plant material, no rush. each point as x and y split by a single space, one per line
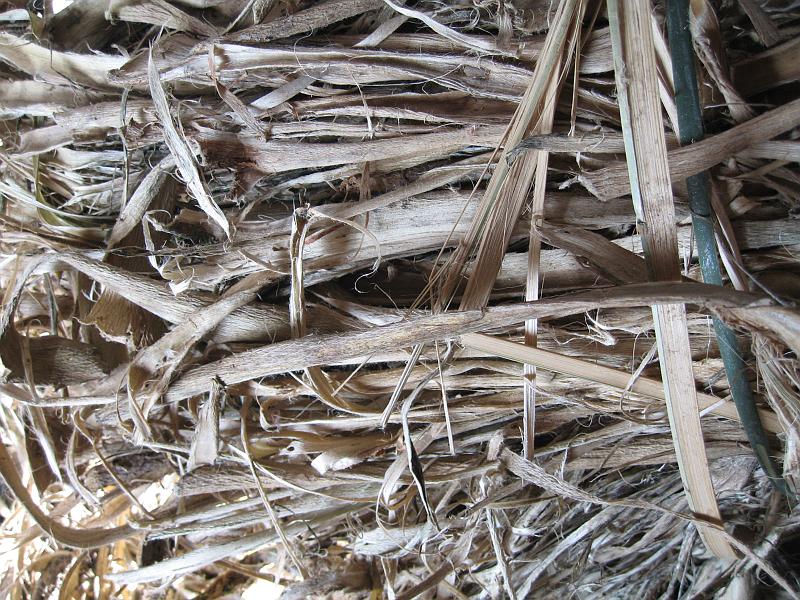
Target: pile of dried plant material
398 299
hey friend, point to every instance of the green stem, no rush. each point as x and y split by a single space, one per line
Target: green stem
690 122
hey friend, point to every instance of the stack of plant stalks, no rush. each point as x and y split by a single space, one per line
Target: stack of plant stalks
386 299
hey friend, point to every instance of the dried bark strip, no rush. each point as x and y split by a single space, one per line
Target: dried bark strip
636 72
612 182
322 349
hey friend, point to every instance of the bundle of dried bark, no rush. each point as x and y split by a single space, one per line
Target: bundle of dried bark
372 298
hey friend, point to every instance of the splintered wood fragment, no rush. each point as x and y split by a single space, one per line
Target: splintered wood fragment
576 367
597 143
184 159
533 282
317 379
321 15
612 181
503 199
539 160
646 153
205 440
595 55
710 49
617 264
467 42
159 12
137 205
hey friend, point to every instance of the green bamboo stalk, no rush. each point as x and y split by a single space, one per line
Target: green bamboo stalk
690 122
